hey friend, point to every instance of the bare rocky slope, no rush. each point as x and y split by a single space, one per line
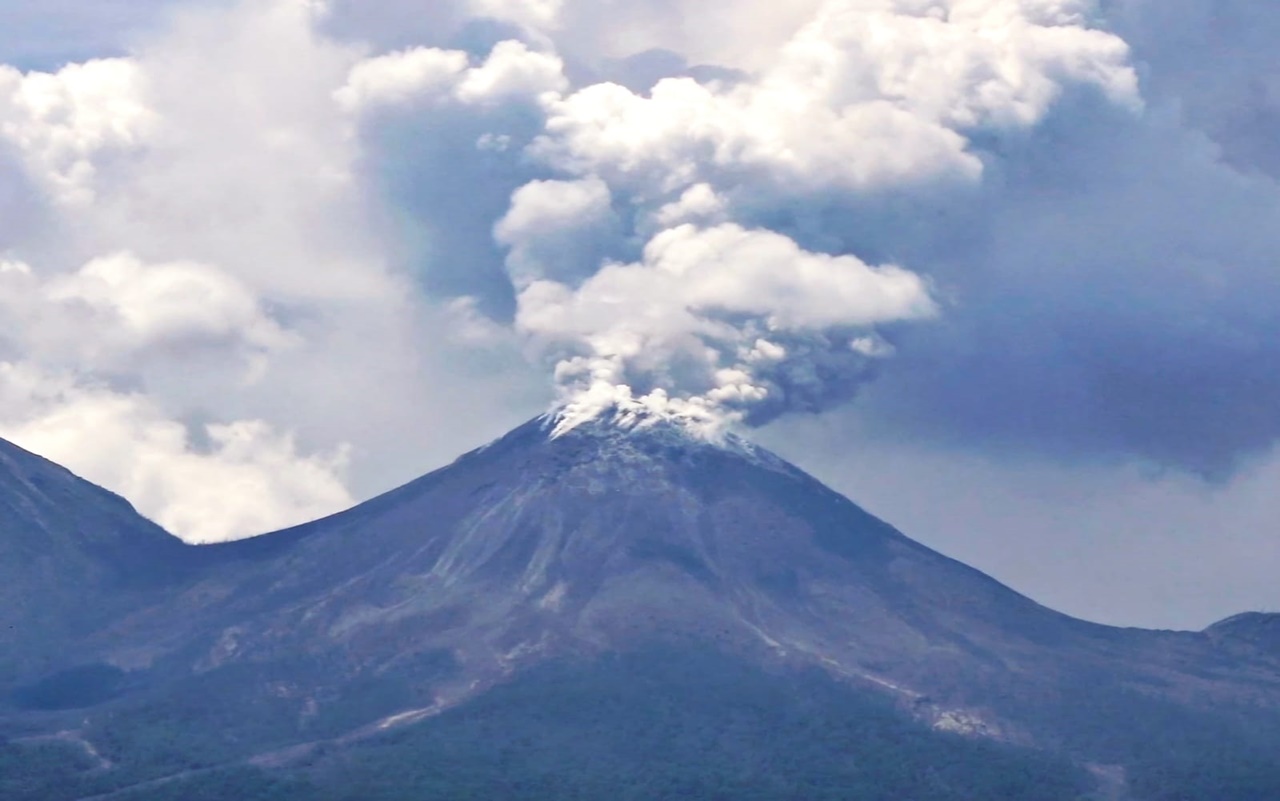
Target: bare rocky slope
534 561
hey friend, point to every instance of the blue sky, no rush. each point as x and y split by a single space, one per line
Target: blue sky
1002 270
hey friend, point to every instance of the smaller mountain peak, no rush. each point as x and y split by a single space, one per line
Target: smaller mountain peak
1258 629
1247 619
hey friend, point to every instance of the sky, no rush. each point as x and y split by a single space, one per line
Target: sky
1002 271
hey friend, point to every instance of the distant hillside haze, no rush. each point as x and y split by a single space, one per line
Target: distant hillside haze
621 608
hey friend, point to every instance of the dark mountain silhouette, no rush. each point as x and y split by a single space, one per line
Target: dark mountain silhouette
625 610
73 557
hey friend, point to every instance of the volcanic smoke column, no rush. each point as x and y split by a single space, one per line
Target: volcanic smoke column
713 325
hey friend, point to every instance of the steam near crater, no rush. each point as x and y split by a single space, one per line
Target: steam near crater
719 325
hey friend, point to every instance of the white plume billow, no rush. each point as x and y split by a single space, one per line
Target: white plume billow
718 325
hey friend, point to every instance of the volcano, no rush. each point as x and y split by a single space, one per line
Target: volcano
553 611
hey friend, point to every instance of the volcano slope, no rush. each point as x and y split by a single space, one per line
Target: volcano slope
625 610
73 557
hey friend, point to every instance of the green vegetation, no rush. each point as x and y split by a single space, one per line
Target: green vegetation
658 725
71 689
644 726
203 729
662 724
231 784
233 713
1170 752
43 769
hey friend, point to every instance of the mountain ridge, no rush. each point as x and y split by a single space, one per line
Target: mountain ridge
550 554
62 537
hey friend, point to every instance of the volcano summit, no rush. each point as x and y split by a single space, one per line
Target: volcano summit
624 609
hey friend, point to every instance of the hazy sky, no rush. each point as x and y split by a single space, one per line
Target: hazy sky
1004 271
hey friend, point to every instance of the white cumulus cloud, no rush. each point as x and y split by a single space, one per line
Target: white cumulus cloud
511 72
247 477
63 124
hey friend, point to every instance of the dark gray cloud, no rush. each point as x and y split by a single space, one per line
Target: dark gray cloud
1119 297
1218 60
441 193
1116 295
